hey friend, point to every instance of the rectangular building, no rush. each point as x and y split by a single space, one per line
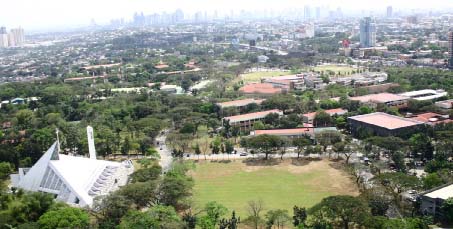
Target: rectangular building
423 95
388 99
246 121
432 200
382 124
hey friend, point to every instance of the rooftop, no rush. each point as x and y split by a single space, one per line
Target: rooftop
239 103
379 98
442 193
260 88
283 132
250 116
312 115
387 121
426 94
431 118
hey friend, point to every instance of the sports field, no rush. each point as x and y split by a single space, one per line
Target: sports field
279 187
256 76
344 70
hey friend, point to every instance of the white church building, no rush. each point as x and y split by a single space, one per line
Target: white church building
75 180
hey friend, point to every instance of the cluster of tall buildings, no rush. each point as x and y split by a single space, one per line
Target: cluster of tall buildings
15 37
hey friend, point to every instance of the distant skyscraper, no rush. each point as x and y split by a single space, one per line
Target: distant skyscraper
450 50
318 12
389 11
16 37
307 12
3 38
367 33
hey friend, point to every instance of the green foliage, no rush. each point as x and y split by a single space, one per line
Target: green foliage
279 218
147 174
67 217
137 220
431 180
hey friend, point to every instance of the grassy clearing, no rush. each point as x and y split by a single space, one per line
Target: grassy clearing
280 186
256 76
344 70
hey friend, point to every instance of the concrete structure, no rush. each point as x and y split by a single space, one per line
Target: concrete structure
308 117
290 133
367 33
246 121
426 94
382 124
430 118
445 104
3 38
75 180
388 99
433 199
239 103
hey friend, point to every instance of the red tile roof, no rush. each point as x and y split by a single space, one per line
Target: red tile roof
260 88
379 98
431 118
385 120
338 111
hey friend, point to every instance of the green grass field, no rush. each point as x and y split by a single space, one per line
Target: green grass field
280 186
256 76
335 68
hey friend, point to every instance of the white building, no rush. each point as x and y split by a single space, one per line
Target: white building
75 180
427 94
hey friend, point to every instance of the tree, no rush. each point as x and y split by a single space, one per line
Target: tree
277 218
322 119
300 215
300 143
421 146
66 217
141 194
110 209
136 220
431 180
214 212
176 187
398 160
266 144
254 209
346 209
447 209
166 216
146 174
328 137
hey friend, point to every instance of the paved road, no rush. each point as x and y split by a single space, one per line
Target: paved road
165 154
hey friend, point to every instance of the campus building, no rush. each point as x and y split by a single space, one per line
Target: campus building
308 117
426 94
433 199
261 90
388 99
382 124
75 180
246 121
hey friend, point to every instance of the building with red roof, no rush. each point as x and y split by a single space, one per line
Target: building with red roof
261 89
388 99
290 133
431 118
382 124
239 103
308 117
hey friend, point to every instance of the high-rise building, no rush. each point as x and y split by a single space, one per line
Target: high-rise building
367 33
3 38
450 50
16 37
307 12
389 11
318 12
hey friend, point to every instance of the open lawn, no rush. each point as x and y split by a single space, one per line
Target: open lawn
344 70
256 76
279 186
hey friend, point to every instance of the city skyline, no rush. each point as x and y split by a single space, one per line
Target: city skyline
51 14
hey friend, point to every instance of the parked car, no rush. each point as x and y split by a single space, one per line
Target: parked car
243 154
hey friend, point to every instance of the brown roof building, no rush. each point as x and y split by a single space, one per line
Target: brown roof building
388 99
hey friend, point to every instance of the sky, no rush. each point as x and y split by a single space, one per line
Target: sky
48 14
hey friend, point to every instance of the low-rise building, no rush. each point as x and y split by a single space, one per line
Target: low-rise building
382 124
430 118
261 89
445 104
239 103
427 94
290 133
388 99
308 117
433 199
246 121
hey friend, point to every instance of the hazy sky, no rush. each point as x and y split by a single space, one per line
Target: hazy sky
43 14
